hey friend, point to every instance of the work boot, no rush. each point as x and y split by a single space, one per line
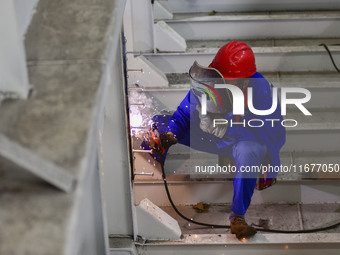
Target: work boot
241 229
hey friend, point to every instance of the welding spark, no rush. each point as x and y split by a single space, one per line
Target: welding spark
136 120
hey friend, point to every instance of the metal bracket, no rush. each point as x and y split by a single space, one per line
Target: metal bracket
164 227
160 11
167 39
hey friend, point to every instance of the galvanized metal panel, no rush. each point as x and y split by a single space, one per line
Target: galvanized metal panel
322 97
13 70
278 59
221 192
312 244
257 26
25 10
114 157
189 6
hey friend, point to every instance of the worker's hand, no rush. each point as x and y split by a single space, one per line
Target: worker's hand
207 124
167 140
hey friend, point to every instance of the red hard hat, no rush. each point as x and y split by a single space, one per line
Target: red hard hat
235 60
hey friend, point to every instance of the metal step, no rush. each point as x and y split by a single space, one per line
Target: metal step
324 87
203 240
290 43
278 216
278 79
183 163
297 165
265 25
311 244
268 59
206 46
319 132
188 192
189 6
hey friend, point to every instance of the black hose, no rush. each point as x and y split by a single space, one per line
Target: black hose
330 55
227 226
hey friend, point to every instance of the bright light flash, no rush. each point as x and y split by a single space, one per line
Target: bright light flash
136 120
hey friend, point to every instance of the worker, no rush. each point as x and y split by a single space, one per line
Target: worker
246 145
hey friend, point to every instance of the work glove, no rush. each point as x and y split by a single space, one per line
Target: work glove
207 124
166 140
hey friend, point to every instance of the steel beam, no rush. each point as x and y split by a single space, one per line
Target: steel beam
13 70
217 192
189 6
275 59
323 97
312 244
257 26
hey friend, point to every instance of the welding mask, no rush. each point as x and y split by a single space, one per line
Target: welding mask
203 81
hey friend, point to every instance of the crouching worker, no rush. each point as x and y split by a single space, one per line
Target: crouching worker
248 139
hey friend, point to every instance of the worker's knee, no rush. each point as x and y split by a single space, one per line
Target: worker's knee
249 152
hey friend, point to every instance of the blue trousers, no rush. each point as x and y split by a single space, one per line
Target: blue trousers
244 153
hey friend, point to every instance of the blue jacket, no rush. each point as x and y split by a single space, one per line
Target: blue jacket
186 120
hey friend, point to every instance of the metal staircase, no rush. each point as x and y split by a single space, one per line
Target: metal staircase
285 37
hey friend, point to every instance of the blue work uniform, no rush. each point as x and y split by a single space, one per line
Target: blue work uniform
245 145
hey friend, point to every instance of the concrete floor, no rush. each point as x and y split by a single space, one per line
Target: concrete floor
68 69
280 216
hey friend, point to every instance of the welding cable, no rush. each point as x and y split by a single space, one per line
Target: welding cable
227 226
330 55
